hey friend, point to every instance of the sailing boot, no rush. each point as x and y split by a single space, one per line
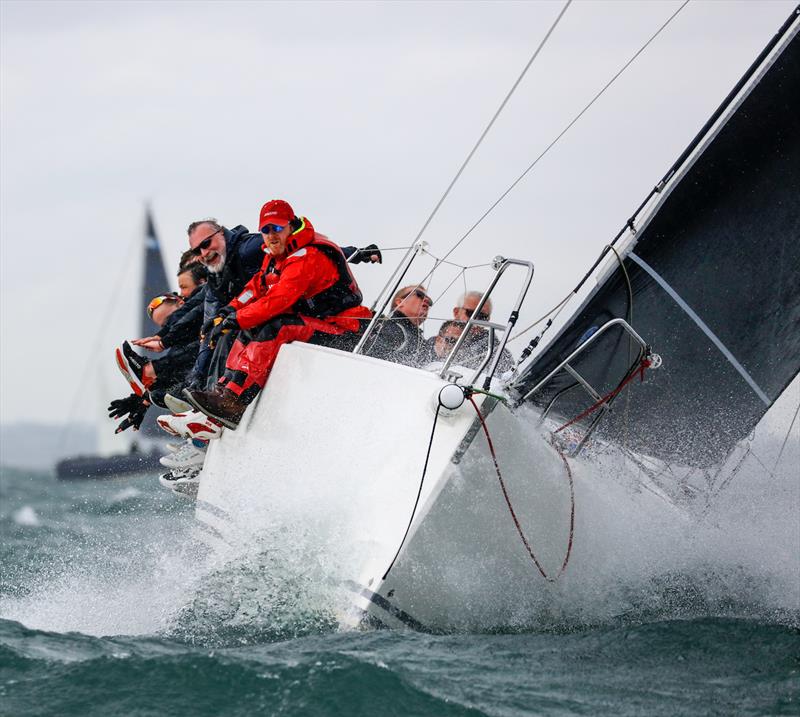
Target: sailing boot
176 405
190 425
184 482
132 367
189 456
221 405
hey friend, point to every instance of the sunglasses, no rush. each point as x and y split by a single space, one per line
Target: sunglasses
483 316
420 294
198 250
155 303
449 340
269 228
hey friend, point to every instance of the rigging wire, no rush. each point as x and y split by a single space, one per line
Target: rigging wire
462 273
557 308
90 366
565 130
785 440
491 122
471 154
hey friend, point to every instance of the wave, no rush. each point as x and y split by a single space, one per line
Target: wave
671 668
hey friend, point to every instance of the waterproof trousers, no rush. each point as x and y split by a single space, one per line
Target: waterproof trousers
254 351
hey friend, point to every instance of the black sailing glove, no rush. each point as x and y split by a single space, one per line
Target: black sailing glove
366 254
209 325
228 323
133 406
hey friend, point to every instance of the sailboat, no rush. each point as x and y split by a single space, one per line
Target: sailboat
467 495
143 448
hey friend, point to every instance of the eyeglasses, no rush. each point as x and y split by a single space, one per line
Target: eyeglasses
449 340
483 316
421 295
269 228
198 250
155 303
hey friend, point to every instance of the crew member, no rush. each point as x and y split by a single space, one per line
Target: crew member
303 292
399 337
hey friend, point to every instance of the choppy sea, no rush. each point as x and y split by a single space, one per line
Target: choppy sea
109 607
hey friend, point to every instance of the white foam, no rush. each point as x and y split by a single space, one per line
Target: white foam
26 515
125 494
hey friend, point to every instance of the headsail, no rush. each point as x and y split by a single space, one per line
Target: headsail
710 277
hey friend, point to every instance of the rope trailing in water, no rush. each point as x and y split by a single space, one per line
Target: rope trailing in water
525 541
637 371
419 493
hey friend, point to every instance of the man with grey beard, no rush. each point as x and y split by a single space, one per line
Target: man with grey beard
231 256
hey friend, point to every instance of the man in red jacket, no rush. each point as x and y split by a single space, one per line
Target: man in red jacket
304 291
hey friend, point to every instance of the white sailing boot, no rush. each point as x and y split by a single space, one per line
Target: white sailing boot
190 425
188 456
184 482
177 405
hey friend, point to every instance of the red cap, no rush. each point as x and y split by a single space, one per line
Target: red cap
275 211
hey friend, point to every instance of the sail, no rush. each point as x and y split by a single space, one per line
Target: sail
154 278
710 279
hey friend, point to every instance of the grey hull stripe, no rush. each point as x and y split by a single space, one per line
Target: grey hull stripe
384 604
211 508
212 531
703 327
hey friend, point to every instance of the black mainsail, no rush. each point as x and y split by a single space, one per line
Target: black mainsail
710 277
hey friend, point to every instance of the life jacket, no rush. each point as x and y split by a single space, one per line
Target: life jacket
342 295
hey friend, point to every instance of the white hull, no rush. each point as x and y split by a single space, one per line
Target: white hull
332 455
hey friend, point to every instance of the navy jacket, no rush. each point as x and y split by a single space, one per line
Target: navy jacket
185 323
244 254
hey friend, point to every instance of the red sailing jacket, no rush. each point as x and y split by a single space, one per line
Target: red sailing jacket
313 279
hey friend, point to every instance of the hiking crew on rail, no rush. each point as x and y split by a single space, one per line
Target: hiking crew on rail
304 291
249 306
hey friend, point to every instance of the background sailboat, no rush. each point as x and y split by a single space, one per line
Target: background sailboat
127 452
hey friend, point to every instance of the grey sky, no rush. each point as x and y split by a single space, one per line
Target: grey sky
359 114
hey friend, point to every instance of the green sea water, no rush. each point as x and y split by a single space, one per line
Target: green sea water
108 606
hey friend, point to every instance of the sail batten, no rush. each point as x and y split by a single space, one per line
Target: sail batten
692 314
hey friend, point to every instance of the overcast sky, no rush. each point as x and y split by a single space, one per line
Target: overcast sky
359 114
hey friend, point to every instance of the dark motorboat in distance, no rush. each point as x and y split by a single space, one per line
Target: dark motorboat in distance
94 466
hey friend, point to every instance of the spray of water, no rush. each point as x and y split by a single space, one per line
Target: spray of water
729 552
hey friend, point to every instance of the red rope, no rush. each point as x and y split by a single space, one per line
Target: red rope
640 369
511 507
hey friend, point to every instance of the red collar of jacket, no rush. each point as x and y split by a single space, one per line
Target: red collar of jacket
301 237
